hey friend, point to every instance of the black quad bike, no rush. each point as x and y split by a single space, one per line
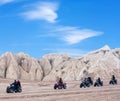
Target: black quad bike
98 83
87 82
113 81
12 89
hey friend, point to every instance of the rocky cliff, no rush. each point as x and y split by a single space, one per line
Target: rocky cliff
100 63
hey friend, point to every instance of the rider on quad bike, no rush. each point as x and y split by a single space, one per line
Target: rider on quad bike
87 82
14 87
60 84
113 80
98 82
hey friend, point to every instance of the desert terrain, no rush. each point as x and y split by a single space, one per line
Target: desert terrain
43 91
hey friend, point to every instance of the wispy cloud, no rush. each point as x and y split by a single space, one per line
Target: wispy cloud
42 11
69 34
73 35
2 2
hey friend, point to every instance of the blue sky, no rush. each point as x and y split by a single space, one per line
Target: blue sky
75 27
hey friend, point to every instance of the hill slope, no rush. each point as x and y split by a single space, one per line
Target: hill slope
102 62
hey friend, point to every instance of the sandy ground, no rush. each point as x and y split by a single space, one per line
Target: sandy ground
43 91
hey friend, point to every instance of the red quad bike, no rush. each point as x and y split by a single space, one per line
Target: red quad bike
60 85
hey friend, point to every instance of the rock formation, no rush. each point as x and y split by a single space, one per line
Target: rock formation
20 66
100 63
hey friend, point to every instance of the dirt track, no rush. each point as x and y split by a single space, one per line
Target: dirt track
43 91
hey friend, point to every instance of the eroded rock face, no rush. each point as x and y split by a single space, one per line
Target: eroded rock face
103 63
20 66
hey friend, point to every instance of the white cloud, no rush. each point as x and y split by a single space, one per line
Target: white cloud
73 35
47 11
42 11
5 1
70 35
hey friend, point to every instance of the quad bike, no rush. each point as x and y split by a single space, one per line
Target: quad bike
60 85
86 83
113 81
98 83
13 89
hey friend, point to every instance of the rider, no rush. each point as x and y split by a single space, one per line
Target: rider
15 84
99 80
18 84
60 81
113 77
